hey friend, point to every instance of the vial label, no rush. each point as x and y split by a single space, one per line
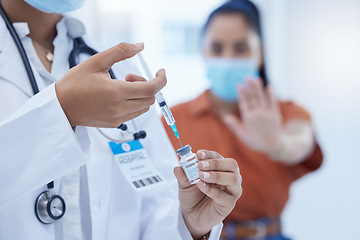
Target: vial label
192 171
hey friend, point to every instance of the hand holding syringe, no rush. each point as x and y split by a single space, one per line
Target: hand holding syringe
160 99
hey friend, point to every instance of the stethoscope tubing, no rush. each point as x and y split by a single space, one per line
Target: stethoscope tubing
21 50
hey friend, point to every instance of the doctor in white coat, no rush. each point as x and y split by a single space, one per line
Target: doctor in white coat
43 138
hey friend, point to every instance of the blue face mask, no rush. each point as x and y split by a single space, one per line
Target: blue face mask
225 74
56 6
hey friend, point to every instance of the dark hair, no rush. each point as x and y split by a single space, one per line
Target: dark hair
251 13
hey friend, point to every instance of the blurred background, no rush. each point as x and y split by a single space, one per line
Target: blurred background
312 49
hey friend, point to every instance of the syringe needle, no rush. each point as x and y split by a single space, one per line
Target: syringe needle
180 142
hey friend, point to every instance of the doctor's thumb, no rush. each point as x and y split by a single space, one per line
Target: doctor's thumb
179 173
103 61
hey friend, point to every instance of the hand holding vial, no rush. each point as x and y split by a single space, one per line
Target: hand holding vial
212 198
209 185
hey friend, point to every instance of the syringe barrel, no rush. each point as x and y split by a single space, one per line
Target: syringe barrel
159 97
167 113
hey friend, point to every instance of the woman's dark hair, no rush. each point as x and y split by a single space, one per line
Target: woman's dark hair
251 14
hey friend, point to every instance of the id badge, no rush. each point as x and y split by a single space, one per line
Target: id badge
136 166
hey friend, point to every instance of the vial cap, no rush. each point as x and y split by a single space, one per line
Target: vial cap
183 150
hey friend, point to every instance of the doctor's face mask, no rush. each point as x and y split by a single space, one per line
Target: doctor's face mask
56 6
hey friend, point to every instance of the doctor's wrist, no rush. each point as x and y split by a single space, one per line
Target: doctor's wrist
65 105
200 235
206 236
195 232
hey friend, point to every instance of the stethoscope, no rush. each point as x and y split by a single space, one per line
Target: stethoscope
48 206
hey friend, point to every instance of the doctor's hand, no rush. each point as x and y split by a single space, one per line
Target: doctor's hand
89 97
261 124
207 203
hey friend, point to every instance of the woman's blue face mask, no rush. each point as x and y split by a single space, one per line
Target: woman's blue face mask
56 6
225 74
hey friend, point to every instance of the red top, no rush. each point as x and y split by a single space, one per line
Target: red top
265 182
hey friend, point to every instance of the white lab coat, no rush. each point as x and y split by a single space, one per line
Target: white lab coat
37 145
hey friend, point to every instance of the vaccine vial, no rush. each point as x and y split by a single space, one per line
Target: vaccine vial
189 163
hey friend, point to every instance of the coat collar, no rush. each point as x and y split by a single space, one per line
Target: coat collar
21 28
4 35
12 69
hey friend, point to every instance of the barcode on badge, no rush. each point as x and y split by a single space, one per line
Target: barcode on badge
147 181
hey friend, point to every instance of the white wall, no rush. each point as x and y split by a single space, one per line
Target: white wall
313 57
321 60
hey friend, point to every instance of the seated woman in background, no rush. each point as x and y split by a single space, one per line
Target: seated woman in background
273 141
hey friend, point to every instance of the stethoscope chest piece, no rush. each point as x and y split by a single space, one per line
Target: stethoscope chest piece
49 208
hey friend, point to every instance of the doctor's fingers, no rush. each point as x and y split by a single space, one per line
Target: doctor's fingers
206 154
220 196
141 89
231 180
115 121
224 172
123 107
228 182
134 78
102 61
220 164
132 105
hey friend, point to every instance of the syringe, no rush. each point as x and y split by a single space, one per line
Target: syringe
169 118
